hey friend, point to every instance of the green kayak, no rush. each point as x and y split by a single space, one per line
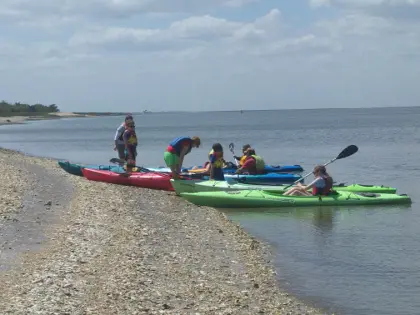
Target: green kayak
271 199
187 186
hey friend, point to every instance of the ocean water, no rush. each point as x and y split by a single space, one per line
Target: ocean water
348 260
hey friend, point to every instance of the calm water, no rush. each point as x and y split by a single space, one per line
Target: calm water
363 260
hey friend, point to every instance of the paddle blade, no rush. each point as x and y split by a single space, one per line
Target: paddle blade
350 150
231 146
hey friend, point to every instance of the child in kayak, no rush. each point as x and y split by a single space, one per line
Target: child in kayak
241 159
253 163
321 185
177 150
130 143
214 167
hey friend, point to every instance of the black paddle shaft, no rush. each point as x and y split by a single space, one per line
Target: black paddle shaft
348 151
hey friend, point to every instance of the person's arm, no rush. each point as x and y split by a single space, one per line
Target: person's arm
211 171
210 166
181 156
118 133
306 187
249 163
125 137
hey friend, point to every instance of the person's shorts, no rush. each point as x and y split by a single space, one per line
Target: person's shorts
171 159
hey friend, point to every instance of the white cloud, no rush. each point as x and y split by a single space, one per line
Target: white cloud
109 8
401 9
209 60
264 36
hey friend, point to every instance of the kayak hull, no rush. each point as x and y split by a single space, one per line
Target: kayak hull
266 199
231 170
181 186
145 180
265 179
76 169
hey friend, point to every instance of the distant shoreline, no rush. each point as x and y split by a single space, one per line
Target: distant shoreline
21 119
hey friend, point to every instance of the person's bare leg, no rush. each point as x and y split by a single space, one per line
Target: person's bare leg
174 170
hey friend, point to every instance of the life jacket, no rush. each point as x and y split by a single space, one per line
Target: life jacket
242 160
175 145
259 162
219 161
132 140
327 188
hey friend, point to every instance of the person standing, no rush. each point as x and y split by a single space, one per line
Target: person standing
130 143
118 139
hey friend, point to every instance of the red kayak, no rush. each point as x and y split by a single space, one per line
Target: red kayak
150 180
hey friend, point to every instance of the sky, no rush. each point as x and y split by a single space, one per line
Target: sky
166 55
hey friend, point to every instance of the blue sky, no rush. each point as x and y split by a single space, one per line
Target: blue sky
132 55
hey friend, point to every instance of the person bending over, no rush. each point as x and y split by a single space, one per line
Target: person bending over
177 150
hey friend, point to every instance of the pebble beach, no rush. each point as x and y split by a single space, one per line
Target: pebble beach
71 246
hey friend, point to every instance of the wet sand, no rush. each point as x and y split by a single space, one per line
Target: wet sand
71 246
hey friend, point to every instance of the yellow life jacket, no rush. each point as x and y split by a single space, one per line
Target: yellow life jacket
260 164
219 161
132 140
242 160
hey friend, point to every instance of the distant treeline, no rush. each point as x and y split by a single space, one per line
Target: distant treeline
21 108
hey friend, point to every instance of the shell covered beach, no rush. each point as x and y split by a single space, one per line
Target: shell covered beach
70 246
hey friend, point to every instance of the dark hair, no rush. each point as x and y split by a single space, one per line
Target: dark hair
217 147
250 152
320 169
246 147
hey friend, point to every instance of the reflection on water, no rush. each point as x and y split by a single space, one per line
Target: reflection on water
344 259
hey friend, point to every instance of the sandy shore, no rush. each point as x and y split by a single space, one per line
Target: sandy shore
22 119
70 246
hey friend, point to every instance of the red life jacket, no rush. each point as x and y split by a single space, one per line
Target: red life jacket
327 188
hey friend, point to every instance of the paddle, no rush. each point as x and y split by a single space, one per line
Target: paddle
232 148
142 169
146 170
350 150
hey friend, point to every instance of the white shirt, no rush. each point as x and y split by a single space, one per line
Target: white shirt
318 182
120 131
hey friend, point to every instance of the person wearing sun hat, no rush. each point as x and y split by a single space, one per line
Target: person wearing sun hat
118 139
